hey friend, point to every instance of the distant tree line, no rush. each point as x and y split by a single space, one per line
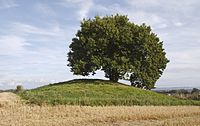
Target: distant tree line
193 94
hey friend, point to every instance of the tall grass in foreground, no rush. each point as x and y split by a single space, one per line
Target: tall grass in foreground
15 113
99 116
98 92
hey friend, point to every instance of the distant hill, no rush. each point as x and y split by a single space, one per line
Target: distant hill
95 92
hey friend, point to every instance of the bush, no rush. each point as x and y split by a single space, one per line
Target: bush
195 90
19 88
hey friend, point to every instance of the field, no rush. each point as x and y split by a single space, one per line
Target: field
95 103
13 112
98 93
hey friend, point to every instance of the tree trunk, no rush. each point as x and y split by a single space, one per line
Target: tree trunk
114 77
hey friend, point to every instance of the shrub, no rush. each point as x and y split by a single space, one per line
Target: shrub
19 88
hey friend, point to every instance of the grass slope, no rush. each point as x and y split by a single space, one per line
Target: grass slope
98 92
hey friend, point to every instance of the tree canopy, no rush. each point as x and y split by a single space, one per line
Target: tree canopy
120 48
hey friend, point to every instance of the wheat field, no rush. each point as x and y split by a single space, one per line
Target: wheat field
14 113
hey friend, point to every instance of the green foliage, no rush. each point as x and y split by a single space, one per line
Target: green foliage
119 48
195 90
98 93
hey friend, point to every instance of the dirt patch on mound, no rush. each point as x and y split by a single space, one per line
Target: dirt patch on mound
8 98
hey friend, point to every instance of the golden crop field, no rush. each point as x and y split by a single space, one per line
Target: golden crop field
14 113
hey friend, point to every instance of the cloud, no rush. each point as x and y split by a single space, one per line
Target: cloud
31 39
20 36
188 56
12 45
4 4
82 7
135 15
172 4
45 9
161 26
36 51
27 29
160 14
148 18
26 83
178 24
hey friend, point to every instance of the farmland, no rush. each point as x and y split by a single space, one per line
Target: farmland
13 112
95 102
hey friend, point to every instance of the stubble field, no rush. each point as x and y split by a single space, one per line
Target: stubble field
14 113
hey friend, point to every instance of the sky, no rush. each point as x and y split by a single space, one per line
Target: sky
35 36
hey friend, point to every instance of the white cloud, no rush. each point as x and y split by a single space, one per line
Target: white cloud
135 15
12 45
26 29
178 24
7 4
45 9
20 35
26 83
40 59
160 14
143 3
83 7
148 18
172 4
189 56
162 26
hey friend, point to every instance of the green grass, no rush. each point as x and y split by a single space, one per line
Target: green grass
98 92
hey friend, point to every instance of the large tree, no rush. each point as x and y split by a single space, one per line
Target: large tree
122 49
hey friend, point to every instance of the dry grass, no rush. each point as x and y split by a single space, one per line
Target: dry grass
9 99
17 114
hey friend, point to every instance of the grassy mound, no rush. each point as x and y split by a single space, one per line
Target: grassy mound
98 92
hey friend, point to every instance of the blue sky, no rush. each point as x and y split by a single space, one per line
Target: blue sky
35 35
